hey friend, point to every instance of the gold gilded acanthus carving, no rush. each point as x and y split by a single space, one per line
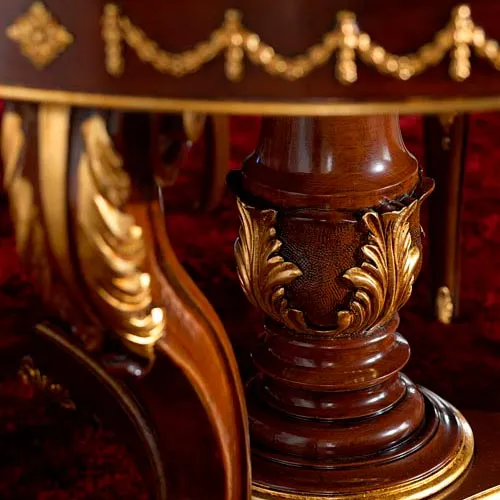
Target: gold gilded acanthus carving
40 36
346 40
382 283
111 245
30 236
384 280
262 272
32 226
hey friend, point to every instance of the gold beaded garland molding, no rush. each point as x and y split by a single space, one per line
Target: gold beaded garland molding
42 39
346 39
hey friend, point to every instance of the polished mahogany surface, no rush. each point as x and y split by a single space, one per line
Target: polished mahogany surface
330 413
484 472
289 27
343 196
308 162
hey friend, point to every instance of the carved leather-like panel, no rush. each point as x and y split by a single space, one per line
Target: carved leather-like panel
323 252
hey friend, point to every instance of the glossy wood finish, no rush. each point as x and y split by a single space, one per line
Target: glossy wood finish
321 400
326 412
314 163
290 29
194 339
57 358
485 470
445 148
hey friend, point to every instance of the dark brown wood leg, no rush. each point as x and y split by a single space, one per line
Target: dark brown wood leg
446 144
329 247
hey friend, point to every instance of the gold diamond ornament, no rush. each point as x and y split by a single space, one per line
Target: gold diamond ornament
40 36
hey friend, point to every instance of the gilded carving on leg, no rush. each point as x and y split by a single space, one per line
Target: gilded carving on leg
111 246
19 188
383 282
30 237
194 124
262 272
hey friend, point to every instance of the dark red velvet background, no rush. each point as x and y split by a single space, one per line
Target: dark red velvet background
47 453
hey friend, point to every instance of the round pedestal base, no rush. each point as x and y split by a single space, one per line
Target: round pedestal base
434 457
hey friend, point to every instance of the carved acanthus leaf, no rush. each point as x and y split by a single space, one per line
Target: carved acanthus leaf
382 283
112 247
262 272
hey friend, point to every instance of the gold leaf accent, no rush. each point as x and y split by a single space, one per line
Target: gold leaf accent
30 235
382 283
33 235
194 124
346 40
447 120
20 189
13 141
39 35
262 272
112 40
32 376
444 305
112 247
489 494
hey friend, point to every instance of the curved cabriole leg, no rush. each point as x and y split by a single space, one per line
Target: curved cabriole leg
90 227
445 152
329 247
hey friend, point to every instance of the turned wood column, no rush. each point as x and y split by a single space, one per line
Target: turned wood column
329 248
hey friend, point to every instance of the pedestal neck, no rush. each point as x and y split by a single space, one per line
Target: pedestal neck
329 248
335 163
